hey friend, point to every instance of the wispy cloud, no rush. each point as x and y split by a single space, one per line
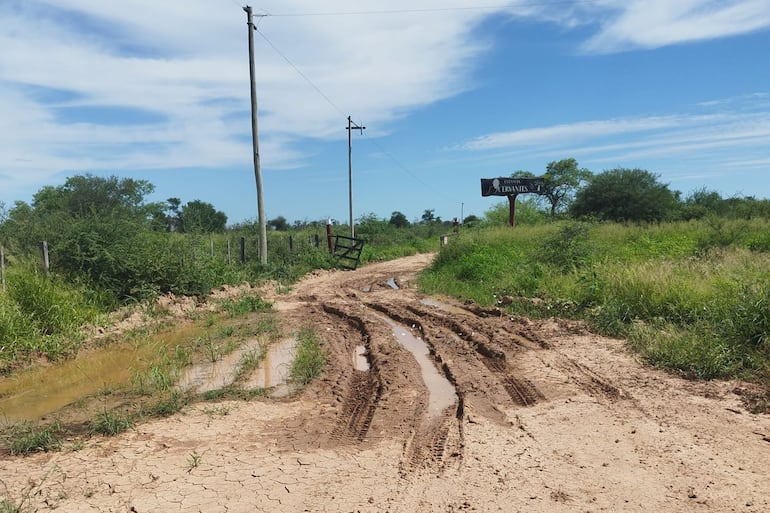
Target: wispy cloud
635 24
741 123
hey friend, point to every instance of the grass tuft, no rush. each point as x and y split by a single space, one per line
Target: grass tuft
309 359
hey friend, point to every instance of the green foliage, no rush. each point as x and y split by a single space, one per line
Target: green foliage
399 220
568 248
200 217
309 358
110 424
705 314
626 195
246 304
27 438
562 180
527 213
168 404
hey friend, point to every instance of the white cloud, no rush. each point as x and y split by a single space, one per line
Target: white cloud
174 58
186 64
655 23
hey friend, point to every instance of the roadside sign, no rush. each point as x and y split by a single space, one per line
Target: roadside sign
508 186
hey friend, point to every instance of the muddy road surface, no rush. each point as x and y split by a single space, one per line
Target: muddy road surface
429 406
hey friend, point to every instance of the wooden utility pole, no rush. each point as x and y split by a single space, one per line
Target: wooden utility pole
255 142
351 126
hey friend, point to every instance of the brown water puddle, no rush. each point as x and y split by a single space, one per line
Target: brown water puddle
360 361
441 393
275 367
443 306
41 391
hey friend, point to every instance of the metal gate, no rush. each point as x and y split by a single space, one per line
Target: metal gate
348 251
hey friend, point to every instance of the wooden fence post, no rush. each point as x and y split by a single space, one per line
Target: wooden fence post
2 266
46 261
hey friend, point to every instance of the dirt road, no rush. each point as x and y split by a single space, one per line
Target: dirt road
537 416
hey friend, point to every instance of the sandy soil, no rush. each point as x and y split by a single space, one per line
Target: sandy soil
546 417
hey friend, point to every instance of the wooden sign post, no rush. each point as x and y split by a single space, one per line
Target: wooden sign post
511 187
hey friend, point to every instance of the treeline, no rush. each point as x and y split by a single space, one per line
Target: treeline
621 195
105 238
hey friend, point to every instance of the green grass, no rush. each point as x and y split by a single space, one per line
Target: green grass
693 297
110 424
309 358
27 438
247 304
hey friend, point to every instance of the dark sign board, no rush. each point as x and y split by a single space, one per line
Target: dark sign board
509 186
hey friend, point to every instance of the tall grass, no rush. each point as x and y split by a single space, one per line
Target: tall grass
690 296
41 316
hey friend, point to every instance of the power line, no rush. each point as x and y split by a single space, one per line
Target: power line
299 72
429 10
382 150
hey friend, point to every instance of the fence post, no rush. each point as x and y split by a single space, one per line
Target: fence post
229 257
317 240
243 250
329 236
291 243
2 266
46 261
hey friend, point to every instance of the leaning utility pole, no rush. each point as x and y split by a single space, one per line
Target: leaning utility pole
351 126
255 142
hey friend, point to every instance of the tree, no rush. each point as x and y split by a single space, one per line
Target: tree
198 216
399 220
428 217
626 195
562 180
279 224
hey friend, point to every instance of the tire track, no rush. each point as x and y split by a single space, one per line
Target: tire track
362 391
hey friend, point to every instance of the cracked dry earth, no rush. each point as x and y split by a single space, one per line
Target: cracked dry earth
541 416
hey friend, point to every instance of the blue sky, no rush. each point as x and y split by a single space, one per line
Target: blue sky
450 91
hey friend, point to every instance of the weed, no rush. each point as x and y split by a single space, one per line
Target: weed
169 404
250 360
27 438
226 332
309 358
193 461
247 304
110 424
219 411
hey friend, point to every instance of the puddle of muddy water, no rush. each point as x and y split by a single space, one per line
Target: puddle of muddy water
275 367
441 393
40 391
272 371
360 362
429 301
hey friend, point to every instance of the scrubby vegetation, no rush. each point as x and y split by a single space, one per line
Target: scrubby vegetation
690 295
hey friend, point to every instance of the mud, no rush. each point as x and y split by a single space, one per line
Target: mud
547 417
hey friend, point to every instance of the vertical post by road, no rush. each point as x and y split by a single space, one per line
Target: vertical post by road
351 126
255 142
2 266
512 210
46 260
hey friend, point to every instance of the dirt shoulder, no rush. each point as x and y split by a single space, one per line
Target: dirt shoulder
544 416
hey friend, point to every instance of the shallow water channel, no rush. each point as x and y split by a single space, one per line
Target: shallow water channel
34 393
441 393
272 370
